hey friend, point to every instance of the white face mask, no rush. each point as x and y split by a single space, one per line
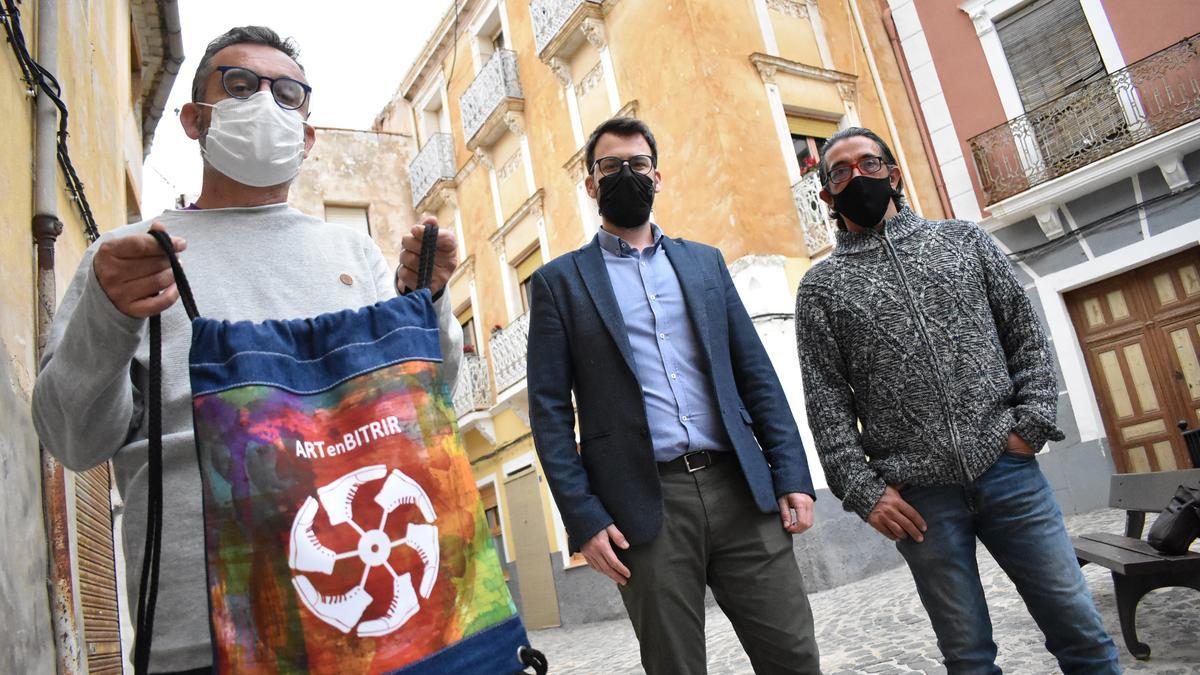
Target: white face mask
254 141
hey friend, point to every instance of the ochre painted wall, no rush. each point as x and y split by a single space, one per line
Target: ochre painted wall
105 145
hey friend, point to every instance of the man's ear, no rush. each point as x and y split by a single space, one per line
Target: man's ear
589 184
894 177
310 137
826 197
657 181
189 118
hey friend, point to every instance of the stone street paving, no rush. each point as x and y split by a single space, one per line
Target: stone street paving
877 625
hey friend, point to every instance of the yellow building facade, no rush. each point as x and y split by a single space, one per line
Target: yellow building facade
739 93
115 63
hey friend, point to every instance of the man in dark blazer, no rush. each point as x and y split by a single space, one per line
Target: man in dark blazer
689 469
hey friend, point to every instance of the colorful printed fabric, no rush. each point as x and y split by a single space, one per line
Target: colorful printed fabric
344 532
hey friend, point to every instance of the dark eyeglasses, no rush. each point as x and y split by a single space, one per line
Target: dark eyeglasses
243 83
867 166
642 164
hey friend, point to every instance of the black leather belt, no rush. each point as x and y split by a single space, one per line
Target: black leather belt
694 461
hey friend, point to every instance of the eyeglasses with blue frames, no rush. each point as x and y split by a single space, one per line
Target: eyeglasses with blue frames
867 166
243 83
642 164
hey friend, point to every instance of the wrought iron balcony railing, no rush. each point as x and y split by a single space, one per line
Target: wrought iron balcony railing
434 163
496 82
508 347
1149 97
473 391
550 16
814 218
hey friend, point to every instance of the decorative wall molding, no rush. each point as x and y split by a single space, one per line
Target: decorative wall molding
532 206
561 69
590 80
515 122
593 30
770 67
510 166
792 8
482 157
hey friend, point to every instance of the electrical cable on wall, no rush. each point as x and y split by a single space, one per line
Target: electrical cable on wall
1115 218
38 78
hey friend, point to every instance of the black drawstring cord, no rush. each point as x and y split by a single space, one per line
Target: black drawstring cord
428 253
151 555
532 658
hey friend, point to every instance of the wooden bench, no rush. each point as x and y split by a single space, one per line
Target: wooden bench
1138 568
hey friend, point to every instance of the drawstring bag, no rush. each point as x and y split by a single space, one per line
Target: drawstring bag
343 529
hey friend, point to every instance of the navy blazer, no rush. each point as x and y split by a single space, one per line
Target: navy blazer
578 342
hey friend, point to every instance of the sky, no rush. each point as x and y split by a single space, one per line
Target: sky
354 53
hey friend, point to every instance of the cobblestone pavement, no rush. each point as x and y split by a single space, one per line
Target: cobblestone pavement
877 625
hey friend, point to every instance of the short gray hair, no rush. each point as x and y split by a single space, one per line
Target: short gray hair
257 35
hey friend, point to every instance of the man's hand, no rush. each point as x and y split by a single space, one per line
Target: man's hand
802 504
445 259
134 273
896 518
600 556
1017 445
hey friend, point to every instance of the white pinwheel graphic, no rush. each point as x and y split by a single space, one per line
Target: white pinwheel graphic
308 554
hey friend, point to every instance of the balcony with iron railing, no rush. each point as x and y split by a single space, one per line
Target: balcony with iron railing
473 392
508 346
814 218
1146 99
433 166
556 23
495 91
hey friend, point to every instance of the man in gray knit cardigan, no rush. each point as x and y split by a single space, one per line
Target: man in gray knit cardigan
930 390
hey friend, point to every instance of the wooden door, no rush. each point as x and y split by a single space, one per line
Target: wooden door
1140 333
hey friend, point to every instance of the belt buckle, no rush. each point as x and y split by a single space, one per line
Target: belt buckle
687 461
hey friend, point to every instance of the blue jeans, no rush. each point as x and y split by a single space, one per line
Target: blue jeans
1015 516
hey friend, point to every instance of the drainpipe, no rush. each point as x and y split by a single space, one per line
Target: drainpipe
887 109
922 127
46 228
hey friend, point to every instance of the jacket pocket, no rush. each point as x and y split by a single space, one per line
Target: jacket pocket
591 436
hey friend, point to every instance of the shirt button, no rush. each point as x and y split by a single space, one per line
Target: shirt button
653 296
346 279
674 375
684 418
662 336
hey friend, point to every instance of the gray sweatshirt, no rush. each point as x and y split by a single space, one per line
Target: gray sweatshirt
920 354
268 262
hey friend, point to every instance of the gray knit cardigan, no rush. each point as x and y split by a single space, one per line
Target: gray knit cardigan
920 353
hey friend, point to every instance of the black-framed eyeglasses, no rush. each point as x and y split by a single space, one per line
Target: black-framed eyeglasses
243 83
642 164
867 166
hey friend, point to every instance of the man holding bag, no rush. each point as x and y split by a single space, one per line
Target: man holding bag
250 257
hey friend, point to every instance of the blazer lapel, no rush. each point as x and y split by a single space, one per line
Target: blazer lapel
692 281
590 260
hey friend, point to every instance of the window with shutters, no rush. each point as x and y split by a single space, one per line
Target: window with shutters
354 217
1052 54
466 319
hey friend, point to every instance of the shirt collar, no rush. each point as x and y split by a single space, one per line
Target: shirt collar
619 247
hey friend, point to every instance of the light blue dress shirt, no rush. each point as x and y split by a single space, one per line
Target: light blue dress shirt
681 406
